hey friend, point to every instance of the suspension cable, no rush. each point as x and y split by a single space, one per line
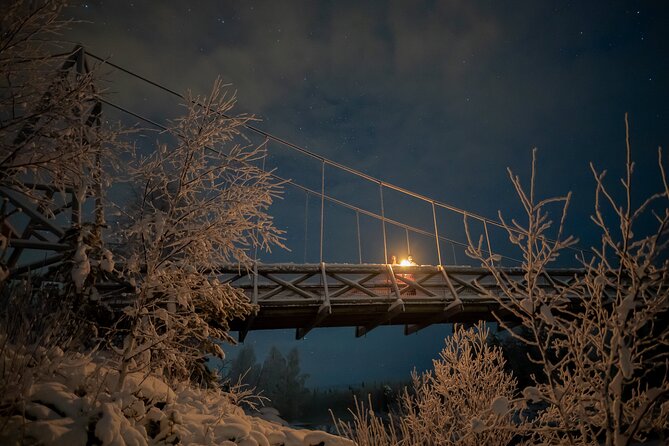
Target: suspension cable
323 159
322 205
306 225
357 224
408 245
383 224
255 251
436 232
487 237
313 192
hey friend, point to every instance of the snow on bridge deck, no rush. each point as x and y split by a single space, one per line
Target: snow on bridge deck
306 296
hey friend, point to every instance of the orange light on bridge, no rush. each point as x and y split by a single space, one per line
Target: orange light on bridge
405 262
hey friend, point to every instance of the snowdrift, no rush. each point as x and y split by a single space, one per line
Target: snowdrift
72 400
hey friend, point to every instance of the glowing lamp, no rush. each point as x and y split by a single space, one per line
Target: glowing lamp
405 262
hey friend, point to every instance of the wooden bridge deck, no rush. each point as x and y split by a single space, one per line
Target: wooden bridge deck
369 295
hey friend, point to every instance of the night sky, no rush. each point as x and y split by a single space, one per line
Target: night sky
435 96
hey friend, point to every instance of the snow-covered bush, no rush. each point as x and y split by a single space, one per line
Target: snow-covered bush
598 338
202 203
467 399
32 337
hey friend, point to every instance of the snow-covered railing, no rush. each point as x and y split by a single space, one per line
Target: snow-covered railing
305 296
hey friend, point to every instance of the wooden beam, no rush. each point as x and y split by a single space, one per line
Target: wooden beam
291 286
393 282
248 322
33 214
280 288
244 331
451 310
323 312
36 265
394 309
234 278
326 292
447 279
254 297
469 285
36 244
415 285
352 284
348 287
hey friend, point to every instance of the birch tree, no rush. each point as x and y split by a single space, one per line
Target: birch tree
203 202
599 339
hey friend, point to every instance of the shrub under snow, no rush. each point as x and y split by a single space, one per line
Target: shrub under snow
467 399
600 338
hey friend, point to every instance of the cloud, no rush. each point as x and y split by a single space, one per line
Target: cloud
267 50
436 96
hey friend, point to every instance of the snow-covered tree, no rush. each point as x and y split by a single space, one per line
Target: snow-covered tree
467 396
467 399
54 150
48 106
599 339
203 203
44 107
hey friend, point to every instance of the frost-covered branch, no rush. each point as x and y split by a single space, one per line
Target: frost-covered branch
603 354
467 399
203 203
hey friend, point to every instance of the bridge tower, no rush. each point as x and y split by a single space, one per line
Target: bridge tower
41 214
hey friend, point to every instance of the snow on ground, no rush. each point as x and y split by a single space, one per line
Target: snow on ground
72 401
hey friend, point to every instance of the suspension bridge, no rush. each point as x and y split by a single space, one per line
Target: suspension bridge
305 295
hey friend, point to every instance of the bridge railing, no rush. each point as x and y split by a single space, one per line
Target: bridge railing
324 288
433 226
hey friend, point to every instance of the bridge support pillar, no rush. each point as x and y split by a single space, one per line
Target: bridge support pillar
323 312
394 309
451 310
254 300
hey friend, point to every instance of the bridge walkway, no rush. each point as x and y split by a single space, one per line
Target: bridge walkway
365 296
